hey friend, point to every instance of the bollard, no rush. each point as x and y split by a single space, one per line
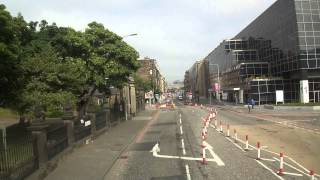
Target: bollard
205 130
210 117
280 172
203 145
204 158
247 143
216 123
235 136
312 175
207 124
221 130
228 131
258 148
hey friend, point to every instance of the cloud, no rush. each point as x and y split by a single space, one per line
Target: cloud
176 33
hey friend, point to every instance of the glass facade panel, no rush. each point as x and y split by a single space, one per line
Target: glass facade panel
282 46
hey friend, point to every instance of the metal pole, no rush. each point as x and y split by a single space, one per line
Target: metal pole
210 97
219 82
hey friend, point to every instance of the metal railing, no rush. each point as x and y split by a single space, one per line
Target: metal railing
57 139
18 158
81 131
101 120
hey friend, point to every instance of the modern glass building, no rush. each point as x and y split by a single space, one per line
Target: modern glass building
279 50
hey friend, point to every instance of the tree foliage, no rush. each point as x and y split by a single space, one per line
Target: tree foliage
46 65
9 57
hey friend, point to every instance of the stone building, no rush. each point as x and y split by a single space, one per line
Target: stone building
150 71
197 80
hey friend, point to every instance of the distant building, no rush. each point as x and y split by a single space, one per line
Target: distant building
176 85
197 80
150 71
280 50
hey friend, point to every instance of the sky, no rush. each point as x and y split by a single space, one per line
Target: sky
174 32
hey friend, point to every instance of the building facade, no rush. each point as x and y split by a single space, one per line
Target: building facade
196 80
279 50
150 71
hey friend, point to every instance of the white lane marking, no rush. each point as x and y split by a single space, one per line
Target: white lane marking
292 166
265 159
183 148
156 149
298 164
293 174
180 120
181 131
188 172
237 145
269 169
214 155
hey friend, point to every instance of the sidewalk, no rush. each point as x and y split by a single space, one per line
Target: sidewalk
94 160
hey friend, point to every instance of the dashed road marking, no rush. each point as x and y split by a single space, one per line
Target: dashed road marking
183 148
181 131
188 172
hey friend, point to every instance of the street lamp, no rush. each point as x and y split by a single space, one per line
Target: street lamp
151 76
217 93
134 34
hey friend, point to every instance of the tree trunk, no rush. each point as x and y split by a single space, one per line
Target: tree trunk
84 101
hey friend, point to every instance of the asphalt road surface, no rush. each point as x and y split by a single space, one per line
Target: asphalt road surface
169 148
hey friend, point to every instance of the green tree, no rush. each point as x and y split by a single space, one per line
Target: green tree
52 65
145 85
9 58
106 60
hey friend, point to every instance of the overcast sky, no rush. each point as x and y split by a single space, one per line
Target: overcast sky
175 32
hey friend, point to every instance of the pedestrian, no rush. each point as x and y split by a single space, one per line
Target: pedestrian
252 102
249 105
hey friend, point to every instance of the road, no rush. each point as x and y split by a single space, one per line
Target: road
169 148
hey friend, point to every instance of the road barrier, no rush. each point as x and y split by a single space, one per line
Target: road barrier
204 158
247 143
228 131
221 129
258 149
216 123
203 135
280 172
235 136
312 175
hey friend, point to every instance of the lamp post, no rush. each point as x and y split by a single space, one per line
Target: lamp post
133 34
151 76
217 92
